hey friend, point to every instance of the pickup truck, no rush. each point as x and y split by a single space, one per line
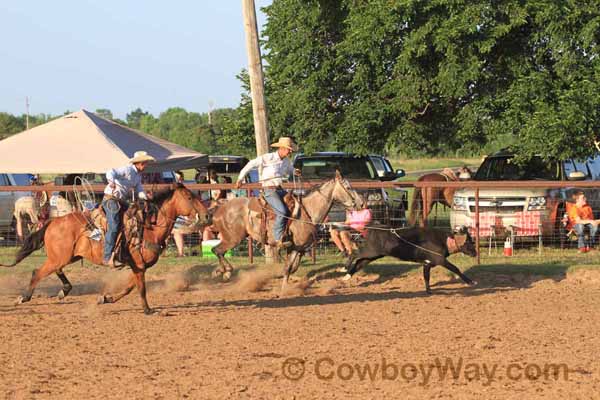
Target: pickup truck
7 202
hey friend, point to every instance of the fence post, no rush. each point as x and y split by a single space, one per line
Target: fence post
476 224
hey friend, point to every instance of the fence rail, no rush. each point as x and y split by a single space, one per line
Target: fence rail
530 229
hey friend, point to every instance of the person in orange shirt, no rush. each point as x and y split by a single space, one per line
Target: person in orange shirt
582 216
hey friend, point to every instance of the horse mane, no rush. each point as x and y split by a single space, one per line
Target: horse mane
315 188
160 197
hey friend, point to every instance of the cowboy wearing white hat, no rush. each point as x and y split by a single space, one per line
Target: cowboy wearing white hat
272 169
121 181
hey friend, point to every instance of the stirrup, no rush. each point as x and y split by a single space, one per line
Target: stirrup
283 244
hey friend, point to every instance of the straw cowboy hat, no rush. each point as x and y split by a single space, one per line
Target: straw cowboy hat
286 142
141 156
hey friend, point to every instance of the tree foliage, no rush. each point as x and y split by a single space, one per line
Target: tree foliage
435 77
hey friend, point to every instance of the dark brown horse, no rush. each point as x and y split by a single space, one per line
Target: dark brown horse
424 198
235 221
66 240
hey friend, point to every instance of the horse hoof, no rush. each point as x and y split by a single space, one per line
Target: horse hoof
473 283
101 300
20 300
61 295
226 276
347 277
216 274
148 311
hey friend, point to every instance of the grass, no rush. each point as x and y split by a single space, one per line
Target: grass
552 263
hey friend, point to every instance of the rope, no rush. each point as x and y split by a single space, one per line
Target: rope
415 245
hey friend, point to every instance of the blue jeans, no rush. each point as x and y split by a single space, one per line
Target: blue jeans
580 229
112 209
274 198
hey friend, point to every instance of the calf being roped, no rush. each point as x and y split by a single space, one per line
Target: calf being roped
428 246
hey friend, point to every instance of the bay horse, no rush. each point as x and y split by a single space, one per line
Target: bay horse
424 198
236 221
66 241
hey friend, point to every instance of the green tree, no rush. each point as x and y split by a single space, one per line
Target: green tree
104 113
9 125
134 118
435 77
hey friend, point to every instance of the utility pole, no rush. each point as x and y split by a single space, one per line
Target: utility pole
26 112
255 71
257 92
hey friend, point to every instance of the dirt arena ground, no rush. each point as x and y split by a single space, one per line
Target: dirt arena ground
379 336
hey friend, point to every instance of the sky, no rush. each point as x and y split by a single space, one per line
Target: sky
120 55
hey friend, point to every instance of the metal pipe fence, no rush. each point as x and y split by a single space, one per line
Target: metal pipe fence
529 215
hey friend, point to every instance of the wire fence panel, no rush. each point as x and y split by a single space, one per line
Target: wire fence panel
530 217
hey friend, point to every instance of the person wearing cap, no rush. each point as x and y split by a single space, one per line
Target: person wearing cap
121 181
272 169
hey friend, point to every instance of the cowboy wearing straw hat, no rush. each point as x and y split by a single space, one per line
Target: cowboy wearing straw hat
121 181
272 168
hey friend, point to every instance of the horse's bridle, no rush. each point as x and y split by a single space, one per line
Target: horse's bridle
346 190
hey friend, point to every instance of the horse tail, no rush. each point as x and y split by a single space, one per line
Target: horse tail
33 242
417 205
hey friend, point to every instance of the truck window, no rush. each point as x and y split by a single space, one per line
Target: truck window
21 179
4 180
504 169
594 167
573 165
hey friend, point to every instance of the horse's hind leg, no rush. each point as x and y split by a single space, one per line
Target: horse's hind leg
46 269
66 285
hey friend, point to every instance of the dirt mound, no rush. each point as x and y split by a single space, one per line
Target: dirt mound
584 276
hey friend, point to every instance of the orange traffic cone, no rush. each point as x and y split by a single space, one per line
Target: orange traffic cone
508 249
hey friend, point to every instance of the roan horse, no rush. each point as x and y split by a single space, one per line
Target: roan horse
66 240
424 198
235 221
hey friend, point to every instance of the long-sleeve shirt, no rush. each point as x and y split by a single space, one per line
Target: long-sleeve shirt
271 169
125 179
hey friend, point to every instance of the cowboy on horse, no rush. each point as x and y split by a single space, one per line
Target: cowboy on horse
121 181
272 168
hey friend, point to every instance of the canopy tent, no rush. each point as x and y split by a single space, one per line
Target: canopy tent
84 142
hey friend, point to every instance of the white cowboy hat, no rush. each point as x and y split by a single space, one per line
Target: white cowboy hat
141 156
286 142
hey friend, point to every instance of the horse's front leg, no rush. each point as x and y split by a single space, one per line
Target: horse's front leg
140 281
291 265
225 268
104 299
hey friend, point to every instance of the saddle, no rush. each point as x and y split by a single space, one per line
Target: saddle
259 208
131 233
449 174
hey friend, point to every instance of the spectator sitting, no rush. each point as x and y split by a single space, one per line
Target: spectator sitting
581 216
356 220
